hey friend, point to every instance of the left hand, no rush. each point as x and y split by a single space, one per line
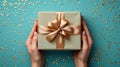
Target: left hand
36 56
82 55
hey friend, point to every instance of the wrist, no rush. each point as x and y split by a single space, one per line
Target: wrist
82 64
36 64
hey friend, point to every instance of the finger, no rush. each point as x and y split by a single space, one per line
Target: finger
34 41
42 58
84 40
87 33
75 57
28 42
75 54
33 29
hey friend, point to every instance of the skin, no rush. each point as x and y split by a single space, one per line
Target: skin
36 56
80 57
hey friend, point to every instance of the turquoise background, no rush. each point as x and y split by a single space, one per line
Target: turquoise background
102 18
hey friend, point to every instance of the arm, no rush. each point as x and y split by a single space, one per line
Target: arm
81 56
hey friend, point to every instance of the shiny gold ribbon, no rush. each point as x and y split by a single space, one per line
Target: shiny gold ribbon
59 29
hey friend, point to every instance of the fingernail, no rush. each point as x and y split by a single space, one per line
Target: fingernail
36 19
35 33
83 32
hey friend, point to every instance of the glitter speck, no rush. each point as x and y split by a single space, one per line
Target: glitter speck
55 0
14 57
10 4
4 24
44 2
19 25
4 3
112 0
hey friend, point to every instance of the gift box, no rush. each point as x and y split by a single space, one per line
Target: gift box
59 31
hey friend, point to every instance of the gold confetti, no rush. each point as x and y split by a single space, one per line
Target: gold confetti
108 46
103 3
99 50
19 25
112 0
4 3
14 57
44 3
10 4
4 56
4 24
55 0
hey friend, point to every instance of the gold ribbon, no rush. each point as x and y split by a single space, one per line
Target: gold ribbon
59 29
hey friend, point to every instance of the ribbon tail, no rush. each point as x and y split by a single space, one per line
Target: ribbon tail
60 41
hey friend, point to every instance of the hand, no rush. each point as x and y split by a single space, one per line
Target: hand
31 43
81 56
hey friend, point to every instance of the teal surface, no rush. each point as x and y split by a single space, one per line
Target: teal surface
102 18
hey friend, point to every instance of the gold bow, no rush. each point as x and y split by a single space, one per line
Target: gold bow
59 29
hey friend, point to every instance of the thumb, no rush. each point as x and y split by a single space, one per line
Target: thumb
34 41
84 40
